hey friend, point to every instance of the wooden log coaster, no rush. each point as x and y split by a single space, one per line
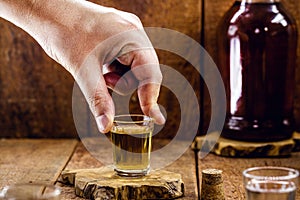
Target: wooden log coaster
212 185
296 139
103 183
234 148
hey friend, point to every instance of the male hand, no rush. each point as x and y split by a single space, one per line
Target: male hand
94 43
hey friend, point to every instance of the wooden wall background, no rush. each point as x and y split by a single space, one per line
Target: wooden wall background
36 93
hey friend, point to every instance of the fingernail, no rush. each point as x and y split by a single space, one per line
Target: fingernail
156 114
102 123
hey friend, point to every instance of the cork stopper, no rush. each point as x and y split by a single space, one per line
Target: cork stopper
212 185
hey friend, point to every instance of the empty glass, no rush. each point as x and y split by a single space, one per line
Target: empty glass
270 183
29 191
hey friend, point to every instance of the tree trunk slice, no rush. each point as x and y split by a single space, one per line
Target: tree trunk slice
102 183
296 138
234 148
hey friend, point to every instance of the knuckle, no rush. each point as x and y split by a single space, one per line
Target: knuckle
97 104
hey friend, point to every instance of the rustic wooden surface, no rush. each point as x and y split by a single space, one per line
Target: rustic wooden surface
293 7
232 170
25 160
32 102
43 160
35 91
81 158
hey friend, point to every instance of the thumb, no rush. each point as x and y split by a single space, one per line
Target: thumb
92 84
102 107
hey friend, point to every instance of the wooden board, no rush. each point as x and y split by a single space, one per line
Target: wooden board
80 159
185 166
232 170
24 161
34 102
36 92
293 6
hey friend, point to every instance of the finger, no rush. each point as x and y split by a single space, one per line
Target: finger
148 94
145 67
119 78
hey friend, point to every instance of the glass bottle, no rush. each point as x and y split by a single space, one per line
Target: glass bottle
257 41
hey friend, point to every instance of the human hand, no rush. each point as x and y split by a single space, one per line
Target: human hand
87 39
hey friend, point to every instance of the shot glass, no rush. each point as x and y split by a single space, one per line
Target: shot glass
270 183
131 137
28 191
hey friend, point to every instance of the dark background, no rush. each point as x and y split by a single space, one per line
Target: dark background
36 92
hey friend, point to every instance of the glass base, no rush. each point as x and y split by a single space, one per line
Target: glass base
132 173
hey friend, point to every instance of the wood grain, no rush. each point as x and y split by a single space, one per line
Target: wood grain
293 6
103 183
185 165
36 93
43 160
233 148
232 170
30 161
80 159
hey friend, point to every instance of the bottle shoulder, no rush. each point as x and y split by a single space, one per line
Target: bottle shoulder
264 12
257 16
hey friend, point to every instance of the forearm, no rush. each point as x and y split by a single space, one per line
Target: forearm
83 37
43 15
52 23
16 11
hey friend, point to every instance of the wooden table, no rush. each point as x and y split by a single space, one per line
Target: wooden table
42 160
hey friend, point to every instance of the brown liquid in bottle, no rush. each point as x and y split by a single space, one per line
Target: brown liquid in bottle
257 53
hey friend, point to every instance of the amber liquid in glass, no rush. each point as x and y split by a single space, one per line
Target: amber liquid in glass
131 150
257 53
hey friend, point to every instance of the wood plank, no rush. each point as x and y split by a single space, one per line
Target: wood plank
27 160
214 10
293 6
185 165
80 159
36 92
232 170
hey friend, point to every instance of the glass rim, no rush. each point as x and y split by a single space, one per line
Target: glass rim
292 173
146 118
